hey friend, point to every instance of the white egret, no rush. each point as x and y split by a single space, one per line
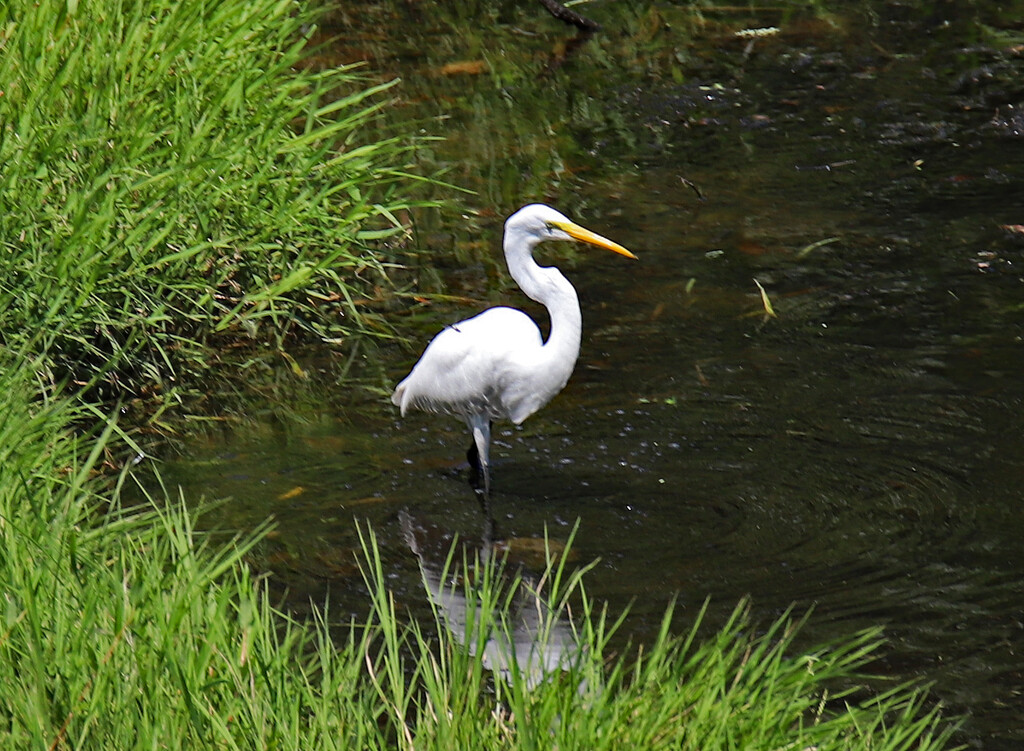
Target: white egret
497 365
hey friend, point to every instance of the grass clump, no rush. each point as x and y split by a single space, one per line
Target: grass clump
126 629
175 170
513 667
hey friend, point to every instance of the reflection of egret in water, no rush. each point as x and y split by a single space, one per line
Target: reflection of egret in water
523 633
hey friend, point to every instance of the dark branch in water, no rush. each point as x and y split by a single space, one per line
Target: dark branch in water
691 184
562 13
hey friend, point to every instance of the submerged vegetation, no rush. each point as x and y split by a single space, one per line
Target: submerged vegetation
171 173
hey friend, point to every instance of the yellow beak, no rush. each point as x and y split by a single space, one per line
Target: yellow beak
584 235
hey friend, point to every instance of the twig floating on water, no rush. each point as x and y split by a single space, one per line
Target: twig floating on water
692 185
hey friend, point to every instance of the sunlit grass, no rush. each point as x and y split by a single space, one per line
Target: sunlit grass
172 172
125 628
516 666
128 628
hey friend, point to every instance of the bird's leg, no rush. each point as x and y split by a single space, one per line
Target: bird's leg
477 470
473 457
479 453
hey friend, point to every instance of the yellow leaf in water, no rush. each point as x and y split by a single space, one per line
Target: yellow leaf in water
463 68
768 309
289 494
364 501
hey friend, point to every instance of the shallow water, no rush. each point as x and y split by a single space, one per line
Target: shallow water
859 453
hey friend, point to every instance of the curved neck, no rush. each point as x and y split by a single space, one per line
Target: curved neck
549 287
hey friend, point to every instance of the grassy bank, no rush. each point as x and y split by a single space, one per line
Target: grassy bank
172 172
126 628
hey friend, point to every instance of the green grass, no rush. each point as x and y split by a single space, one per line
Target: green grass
128 628
515 666
174 171
125 628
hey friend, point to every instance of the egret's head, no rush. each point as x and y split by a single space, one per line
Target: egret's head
540 223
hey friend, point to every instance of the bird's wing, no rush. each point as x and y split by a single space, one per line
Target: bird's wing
467 367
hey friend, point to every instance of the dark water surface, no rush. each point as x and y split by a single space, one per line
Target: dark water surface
860 453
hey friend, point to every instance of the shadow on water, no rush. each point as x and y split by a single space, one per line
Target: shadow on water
860 452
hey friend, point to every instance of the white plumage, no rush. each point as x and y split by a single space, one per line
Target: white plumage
496 365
